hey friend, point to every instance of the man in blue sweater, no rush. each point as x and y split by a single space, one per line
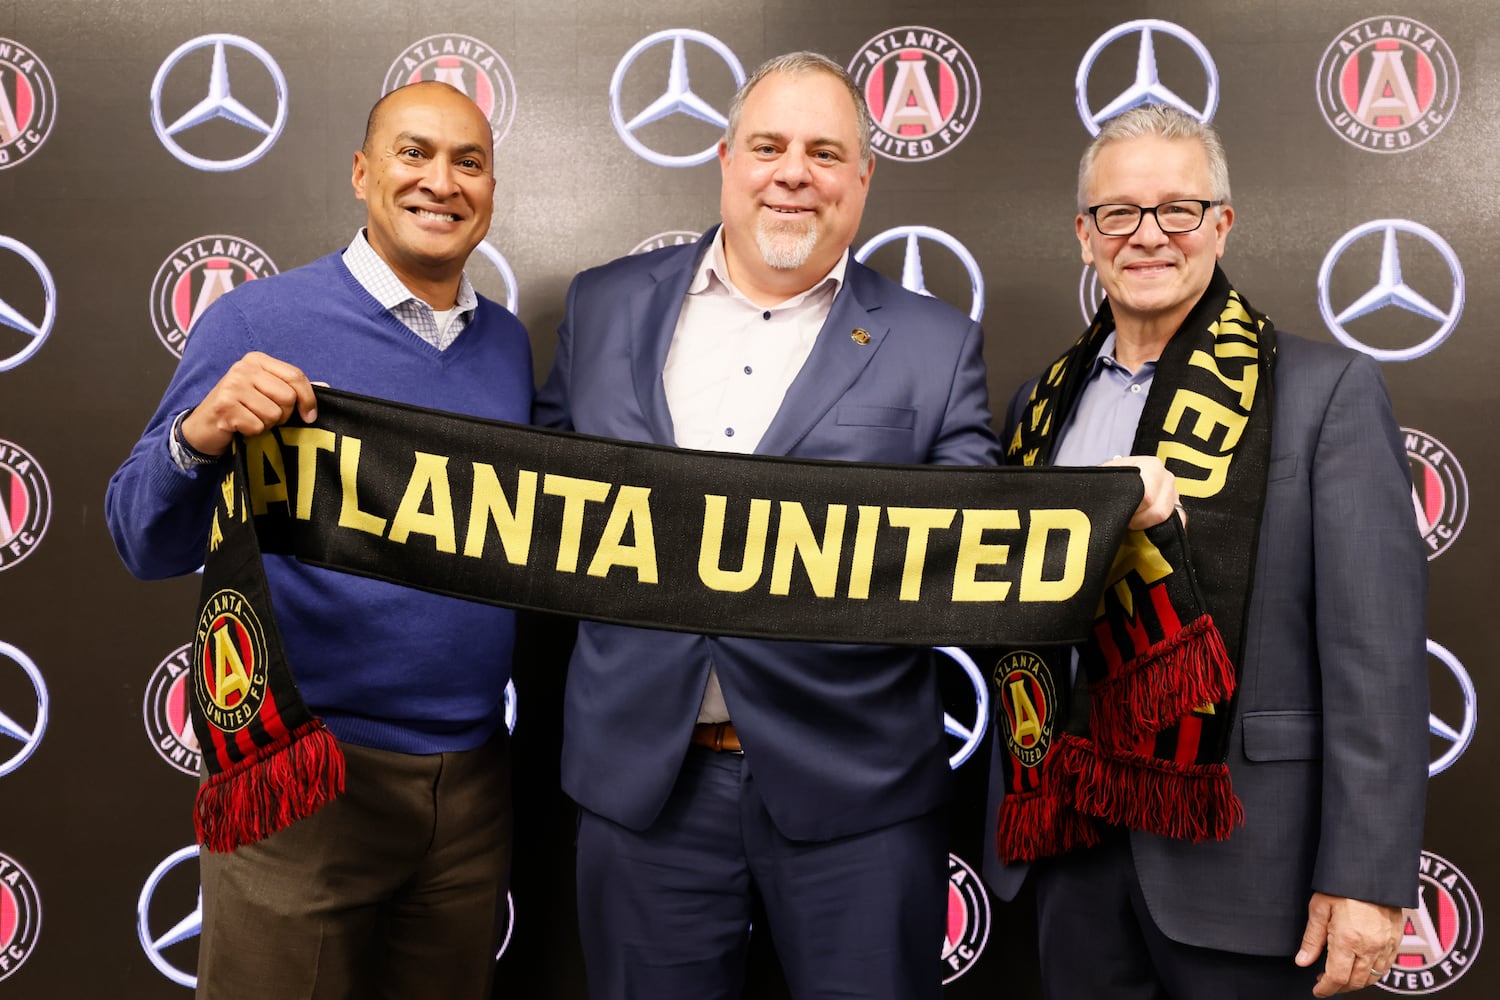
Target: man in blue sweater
397 888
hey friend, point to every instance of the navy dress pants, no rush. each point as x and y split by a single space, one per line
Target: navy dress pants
665 912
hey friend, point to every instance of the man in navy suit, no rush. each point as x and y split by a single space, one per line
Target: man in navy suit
712 770
1328 748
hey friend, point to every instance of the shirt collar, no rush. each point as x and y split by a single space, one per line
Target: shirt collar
713 270
1106 359
382 283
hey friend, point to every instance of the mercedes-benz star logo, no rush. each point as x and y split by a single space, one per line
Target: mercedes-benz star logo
188 926
679 98
912 276
971 734
1457 735
1391 289
219 103
35 332
1090 295
12 726
487 250
1147 88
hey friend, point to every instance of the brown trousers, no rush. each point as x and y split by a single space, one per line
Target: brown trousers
398 888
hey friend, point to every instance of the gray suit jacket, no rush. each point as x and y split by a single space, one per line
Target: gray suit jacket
1329 748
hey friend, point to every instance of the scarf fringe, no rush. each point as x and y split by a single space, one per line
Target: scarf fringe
285 781
1192 802
1043 823
1161 685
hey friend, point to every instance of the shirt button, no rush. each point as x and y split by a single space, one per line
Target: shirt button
1136 387
766 314
729 432
747 369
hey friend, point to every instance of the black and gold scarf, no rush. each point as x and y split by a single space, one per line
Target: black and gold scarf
1140 737
610 531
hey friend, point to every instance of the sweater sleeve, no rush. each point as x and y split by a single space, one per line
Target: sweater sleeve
158 514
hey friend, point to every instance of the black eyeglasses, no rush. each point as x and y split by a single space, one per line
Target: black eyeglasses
1172 217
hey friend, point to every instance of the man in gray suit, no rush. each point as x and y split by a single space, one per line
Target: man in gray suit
1297 501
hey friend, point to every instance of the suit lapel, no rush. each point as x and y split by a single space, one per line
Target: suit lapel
652 314
837 359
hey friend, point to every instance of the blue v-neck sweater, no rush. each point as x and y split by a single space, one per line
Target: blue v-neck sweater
385 666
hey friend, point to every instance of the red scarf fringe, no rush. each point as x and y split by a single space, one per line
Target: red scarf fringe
1160 686
1190 802
285 781
1040 824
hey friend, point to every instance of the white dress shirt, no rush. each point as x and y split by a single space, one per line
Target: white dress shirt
729 367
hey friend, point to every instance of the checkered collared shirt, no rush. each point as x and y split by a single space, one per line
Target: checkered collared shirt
381 282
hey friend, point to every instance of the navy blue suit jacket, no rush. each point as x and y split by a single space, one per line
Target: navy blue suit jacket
839 738
1329 748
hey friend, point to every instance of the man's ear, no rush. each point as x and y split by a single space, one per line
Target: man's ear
357 177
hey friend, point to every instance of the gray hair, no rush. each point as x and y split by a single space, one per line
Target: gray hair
1164 122
800 64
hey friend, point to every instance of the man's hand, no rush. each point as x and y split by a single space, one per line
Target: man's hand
1361 939
256 394
1161 497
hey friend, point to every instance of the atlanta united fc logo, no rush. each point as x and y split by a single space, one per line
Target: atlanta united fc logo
28 103
25 504
169 721
1441 937
968 920
1439 490
922 89
467 64
230 652
20 916
194 276
1387 84
669 238
1026 699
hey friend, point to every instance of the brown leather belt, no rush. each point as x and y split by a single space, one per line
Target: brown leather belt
716 736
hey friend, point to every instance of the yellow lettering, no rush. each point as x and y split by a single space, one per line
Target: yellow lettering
1249 374
308 441
631 508
1043 522
974 552
215 534
260 451
350 516
1215 467
429 474
918 521
1210 415
794 537
575 493
513 523
862 565
226 490
714 576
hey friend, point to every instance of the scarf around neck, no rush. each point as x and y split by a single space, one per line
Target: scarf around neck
1139 739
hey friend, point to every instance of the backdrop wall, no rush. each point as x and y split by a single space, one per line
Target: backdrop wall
152 156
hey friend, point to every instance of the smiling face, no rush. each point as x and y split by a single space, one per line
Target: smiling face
427 179
1153 279
793 185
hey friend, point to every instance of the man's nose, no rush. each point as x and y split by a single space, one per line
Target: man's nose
792 170
440 178
1149 232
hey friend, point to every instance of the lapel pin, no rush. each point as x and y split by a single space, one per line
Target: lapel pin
860 336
